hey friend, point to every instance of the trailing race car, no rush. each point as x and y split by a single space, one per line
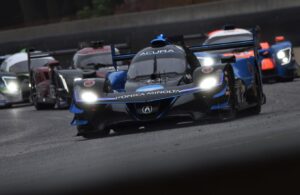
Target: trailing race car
167 80
52 85
277 61
10 91
17 64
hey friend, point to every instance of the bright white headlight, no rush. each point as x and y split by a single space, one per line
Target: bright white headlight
89 97
285 56
208 61
208 83
12 87
281 55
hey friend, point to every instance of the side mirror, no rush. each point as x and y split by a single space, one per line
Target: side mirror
279 39
264 52
228 60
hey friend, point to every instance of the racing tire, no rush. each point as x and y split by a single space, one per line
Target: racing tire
89 132
288 79
6 106
230 114
39 106
42 106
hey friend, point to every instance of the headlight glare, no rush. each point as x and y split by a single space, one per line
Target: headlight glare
281 55
12 87
284 56
89 97
208 83
208 61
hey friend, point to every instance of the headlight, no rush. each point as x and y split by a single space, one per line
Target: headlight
208 83
208 61
284 56
89 97
12 87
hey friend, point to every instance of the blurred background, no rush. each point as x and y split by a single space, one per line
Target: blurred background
61 24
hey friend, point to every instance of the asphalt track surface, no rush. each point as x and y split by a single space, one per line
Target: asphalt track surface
252 154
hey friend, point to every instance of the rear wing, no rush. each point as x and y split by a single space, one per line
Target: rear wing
198 48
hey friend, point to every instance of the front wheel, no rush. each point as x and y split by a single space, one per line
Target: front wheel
231 112
42 106
89 131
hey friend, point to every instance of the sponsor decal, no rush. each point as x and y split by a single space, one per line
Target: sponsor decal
150 93
158 52
147 109
89 83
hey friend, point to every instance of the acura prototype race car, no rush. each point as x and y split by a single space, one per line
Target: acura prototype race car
277 60
167 80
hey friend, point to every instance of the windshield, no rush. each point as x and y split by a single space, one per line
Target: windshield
22 67
83 61
228 39
170 61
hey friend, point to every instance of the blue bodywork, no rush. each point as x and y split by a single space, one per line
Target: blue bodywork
243 67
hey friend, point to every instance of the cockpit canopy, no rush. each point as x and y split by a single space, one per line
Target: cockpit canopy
167 60
87 57
228 36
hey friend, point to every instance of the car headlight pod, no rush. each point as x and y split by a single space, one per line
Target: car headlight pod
89 97
208 83
12 87
206 61
11 84
284 56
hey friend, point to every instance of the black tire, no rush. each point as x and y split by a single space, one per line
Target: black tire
6 106
42 106
288 79
89 132
230 114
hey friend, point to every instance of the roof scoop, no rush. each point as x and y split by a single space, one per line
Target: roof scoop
159 41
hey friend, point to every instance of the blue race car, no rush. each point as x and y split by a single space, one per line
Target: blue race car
277 61
167 80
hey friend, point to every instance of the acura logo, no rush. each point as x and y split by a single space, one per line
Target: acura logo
147 109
